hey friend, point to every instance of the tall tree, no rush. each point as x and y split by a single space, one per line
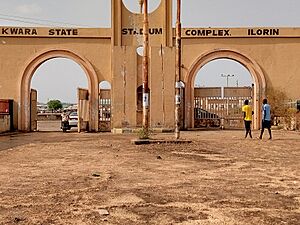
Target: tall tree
54 104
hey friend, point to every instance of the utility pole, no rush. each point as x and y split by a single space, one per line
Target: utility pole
145 69
227 100
227 77
178 72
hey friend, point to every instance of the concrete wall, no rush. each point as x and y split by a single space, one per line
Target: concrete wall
126 80
162 87
271 56
277 57
18 52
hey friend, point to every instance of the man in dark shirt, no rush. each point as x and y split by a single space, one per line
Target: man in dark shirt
266 119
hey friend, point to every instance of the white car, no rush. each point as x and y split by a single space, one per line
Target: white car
73 119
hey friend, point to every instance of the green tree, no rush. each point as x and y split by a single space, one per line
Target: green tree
54 104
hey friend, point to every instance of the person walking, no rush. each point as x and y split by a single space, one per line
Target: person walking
65 121
248 112
266 119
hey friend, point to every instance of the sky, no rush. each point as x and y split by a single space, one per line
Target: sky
59 78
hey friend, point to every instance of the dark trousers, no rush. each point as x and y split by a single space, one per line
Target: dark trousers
266 124
248 128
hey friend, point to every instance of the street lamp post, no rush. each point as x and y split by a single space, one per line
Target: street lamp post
227 76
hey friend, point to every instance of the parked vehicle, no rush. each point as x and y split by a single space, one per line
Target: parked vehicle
73 119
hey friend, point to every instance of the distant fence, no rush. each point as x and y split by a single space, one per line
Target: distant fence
49 116
220 107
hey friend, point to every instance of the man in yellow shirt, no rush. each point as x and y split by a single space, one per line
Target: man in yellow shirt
247 110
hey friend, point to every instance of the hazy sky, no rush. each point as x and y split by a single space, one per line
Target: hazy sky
59 78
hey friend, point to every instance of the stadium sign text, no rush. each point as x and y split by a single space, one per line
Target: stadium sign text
139 31
263 32
11 31
18 31
207 32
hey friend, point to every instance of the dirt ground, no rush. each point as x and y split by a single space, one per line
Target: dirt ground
100 178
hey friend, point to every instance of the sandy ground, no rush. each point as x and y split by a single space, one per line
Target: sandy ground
218 179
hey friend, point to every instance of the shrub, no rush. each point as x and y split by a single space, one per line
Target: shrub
144 133
277 99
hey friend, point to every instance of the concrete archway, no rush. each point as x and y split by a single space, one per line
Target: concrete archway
251 65
34 63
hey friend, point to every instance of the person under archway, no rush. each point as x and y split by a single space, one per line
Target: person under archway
266 119
65 121
248 112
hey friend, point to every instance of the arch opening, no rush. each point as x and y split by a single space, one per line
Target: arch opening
25 119
56 82
220 88
253 88
136 5
104 106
